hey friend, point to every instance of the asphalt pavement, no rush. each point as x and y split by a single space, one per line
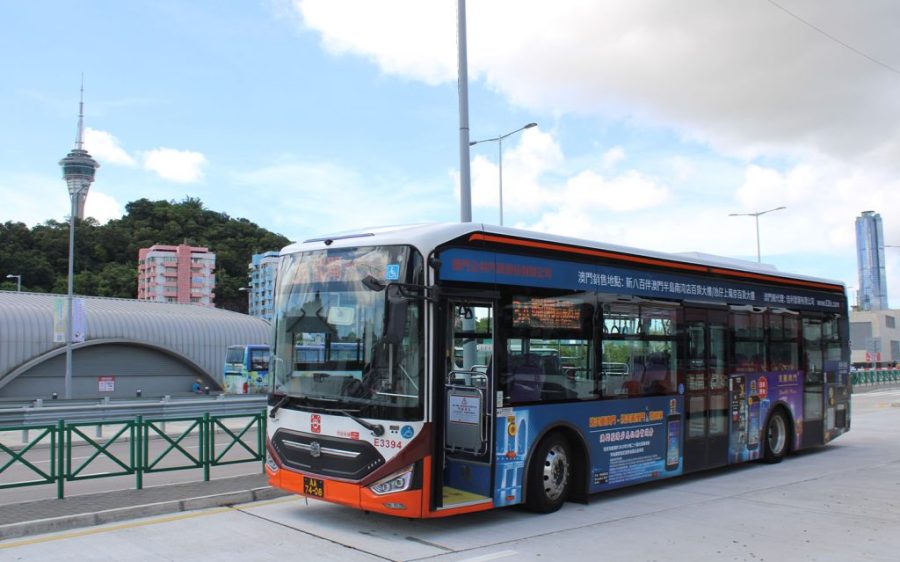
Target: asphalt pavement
51 515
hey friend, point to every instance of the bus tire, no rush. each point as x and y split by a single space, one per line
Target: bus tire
549 474
777 437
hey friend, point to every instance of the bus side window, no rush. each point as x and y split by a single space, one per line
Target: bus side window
549 348
639 350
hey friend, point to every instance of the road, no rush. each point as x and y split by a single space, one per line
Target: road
837 503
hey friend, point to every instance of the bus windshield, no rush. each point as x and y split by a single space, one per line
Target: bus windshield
330 351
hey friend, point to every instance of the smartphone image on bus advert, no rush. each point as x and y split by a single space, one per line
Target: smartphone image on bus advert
753 425
673 441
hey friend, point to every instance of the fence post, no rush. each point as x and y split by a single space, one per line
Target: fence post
61 459
262 439
206 453
137 444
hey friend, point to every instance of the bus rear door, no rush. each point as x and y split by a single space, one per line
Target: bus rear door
706 390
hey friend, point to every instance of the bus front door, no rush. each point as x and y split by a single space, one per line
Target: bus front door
467 403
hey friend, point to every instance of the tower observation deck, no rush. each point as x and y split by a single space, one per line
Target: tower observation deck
78 167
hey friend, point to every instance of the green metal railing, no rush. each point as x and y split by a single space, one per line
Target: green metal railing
875 376
195 443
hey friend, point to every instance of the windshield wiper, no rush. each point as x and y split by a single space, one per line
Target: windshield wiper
281 402
376 428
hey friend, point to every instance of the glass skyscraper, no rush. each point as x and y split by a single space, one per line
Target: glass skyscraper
870 259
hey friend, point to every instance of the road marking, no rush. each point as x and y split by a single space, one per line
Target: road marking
113 528
491 556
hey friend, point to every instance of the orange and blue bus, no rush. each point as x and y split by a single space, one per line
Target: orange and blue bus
494 367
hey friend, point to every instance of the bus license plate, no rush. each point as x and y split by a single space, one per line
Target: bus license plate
313 487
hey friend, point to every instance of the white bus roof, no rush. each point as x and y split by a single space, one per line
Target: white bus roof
426 237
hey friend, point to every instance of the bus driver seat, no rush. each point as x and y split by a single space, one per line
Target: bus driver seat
527 379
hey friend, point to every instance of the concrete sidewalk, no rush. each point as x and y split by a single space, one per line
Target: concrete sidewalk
47 516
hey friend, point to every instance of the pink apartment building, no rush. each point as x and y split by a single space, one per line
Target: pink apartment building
177 274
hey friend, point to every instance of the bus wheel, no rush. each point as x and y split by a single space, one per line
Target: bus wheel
549 475
776 442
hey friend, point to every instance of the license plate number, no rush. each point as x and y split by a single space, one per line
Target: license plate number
314 487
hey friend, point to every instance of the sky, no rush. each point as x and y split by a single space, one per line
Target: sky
656 120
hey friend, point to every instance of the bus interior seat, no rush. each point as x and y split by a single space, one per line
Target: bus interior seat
632 388
656 377
550 365
527 378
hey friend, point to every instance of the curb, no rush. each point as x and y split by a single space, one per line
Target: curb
76 521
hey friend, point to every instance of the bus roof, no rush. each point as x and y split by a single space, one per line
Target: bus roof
427 237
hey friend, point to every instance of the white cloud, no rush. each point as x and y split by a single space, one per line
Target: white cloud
530 183
628 192
703 71
525 160
182 166
102 207
106 148
613 156
404 37
781 114
33 199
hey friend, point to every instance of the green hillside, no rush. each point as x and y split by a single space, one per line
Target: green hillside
106 255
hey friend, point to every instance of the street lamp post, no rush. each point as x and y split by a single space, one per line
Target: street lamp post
756 216
79 170
499 141
18 279
462 57
249 290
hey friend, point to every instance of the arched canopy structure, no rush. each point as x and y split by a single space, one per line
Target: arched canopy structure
129 345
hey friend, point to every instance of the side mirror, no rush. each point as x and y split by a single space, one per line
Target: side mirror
396 307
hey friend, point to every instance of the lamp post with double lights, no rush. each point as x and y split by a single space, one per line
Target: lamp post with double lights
499 141
18 279
756 216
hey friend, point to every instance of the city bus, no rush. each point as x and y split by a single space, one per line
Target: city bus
584 367
246 368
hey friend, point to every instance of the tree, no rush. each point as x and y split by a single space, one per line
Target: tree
106 255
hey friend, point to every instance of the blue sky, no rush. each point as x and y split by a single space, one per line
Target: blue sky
655 119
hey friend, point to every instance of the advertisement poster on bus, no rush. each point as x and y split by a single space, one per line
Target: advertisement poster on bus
752 397
497 268
637 441
629 441
512 449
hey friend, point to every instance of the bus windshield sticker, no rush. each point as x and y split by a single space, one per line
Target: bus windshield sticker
341 315
392 272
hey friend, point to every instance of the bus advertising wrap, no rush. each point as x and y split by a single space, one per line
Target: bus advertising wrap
479 266
629 441
752 397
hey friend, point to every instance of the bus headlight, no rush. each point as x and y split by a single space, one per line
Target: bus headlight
270 462
399 481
